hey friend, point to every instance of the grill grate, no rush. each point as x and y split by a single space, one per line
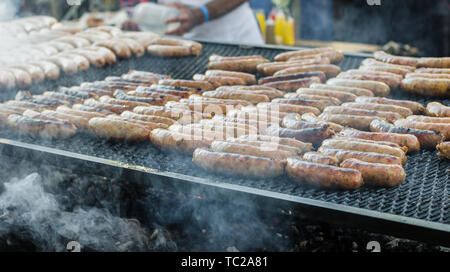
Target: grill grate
424 195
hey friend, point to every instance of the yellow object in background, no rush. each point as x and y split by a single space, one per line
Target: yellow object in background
261 17
280 22
289 32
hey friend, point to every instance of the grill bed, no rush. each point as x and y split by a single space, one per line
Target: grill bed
418 208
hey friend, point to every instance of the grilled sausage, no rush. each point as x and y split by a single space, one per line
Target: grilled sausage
427 119
126 103
294 84
378 88
81 62
147 118
237 94
236 164
316 157
266 146
427 75
77 120
244 149
269 93
288 108
63 97
248 78
387 143
427 138
342 96
119 48
179 142
311 135
329 69
352 90
377 174
131 99
365 147
436 109
148 125
118 129
81 113
195 48
444 150
378 68
333 55
385 57
215 57
311 117
392 81
332 100
7 80
205 86
410 141
434 62
415 107
22 78
323 175
388 116
26 105
347 120
106 53
135 47
404 112
374 62
433 70
270 79
237 65
51 70
94 59
168 50
36 72
269 69
116 108
301 147
320 104
433 87
443 128
342 155
202 131
66 64
306 52
290 121
42 128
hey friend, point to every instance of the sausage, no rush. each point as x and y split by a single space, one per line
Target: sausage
311 135
78 121
434 62
143 100
179 142
373 62
119 48
63 97
288 108
333 55
316 157
36 72
81 113
404 112
443 128
365 147
195 48
392 81
118 129
427 75
220 80
415 107
427 138
311 117
378 88
114 101
136 48
271 94
106 53
66 64
306 52
116 108
168 50
377 174
238 65
82 107
143 75
409 141
42 128
200 131
241 95
244 149
210 100
22 78
81 62
378 68
352 90
330 70
269 69
256 114
433 70
347 120
342 155
166 96
293 121
332 100
215 57
236 164
230 126
51 70
74 41
342 96
320 104
267 146
319 74
172 113
326 176
388 116
147 118
95 59
205 86
427 119
248 78
436 109
148 125
26 105
294 84
387 143
444 150
7 80
433 87
385 57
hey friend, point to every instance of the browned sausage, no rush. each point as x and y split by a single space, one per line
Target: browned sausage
427 75
310 135
415 107
329 69
388 116
253 98
288 108
436 109
427 119
342 96
320 104
293 85
248 78
444 150
269 69
179 142
306 52
237 65
433 70
433 87
319 158
374 62
311 117
206 86
244 149
270 79
378 68
391 80
385 57
118 129
342 155
380 107
323 175
443 128
434 62
347 120
352 90
378 88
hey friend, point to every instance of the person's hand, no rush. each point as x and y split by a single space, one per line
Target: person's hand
188 19
130 25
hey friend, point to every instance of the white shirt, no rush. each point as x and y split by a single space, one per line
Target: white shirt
237 26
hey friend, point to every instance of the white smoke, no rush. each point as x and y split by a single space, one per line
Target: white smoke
9 9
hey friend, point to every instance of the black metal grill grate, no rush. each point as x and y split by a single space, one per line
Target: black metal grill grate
424 194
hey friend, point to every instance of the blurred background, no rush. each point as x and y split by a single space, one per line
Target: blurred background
405 27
